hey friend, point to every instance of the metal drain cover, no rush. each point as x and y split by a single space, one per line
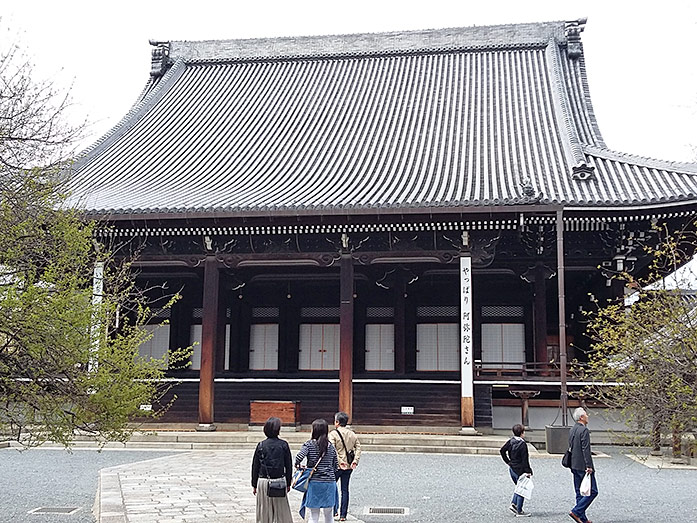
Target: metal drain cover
54 510
386 511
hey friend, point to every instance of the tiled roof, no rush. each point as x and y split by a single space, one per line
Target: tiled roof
451 118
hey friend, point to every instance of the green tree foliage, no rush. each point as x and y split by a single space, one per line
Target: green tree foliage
647 346
68 361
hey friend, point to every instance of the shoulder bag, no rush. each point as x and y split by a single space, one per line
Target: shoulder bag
350 454
566 458
301 477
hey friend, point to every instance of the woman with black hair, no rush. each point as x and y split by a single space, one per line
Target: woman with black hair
321 491
272 460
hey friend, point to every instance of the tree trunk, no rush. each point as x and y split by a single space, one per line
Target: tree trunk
677 439
656 439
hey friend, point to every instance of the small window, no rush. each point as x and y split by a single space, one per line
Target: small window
379 346
319 346
437 347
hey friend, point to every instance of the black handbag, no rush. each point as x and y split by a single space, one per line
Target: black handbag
566 458
277 488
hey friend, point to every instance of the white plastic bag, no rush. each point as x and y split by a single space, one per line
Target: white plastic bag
524 486
585 488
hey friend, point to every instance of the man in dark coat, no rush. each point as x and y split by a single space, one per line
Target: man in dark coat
581 464
515 453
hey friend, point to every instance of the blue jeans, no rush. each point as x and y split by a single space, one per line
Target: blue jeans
345 477
517 500
583 502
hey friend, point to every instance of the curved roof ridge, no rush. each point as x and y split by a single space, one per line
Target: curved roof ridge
588 101
573 148
644 161
365 43
150 94
367 54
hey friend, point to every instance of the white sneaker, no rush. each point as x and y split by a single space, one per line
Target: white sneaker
523 514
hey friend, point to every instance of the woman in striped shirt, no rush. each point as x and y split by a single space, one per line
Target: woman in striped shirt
321 492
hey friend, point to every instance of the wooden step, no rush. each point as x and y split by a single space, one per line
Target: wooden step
370 442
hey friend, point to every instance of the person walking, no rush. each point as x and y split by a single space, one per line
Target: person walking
348 449
272 460
515 453
581 464
321 491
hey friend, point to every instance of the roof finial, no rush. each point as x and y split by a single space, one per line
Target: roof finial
160 58
574 28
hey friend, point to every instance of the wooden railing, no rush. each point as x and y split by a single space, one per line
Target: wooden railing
502 369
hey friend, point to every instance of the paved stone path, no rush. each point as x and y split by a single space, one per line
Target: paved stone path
200 486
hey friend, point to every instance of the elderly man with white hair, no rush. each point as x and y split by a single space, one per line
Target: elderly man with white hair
581 464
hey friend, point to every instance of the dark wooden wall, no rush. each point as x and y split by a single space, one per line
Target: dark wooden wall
374 403
435 404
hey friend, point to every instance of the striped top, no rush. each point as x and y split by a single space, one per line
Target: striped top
325 469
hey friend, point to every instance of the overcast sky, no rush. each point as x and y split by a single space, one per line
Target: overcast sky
640 55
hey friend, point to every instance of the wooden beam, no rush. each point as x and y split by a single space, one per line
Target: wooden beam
346 336
209 342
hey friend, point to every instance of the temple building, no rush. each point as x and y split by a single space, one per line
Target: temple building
405 226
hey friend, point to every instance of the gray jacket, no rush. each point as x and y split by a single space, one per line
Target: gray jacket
580 444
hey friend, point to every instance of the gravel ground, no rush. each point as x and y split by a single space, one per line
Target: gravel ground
444 488
54 478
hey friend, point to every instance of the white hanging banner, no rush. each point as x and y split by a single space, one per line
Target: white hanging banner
466 341
97 297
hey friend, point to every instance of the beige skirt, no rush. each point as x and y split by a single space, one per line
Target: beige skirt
271 510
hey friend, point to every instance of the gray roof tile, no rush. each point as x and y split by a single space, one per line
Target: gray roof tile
445 118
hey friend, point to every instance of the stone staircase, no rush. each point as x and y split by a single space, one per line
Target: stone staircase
247 439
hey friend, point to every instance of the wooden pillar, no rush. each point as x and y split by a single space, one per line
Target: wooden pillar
466 345
234 305
346 336
180 329
524 396
209 342
564 397
540 318
221 324
400 333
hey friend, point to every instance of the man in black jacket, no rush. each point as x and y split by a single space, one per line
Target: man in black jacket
515 453
581 463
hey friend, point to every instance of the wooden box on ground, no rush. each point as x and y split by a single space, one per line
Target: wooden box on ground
287 411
